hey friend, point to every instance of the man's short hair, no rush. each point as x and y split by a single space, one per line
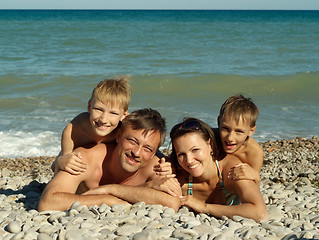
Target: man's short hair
148 119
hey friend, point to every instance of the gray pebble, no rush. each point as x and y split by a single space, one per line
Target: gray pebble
14 227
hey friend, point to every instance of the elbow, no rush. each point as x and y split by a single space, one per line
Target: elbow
264 216
46 201
43 206
174 203
261 215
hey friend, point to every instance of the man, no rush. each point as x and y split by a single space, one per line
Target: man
130 162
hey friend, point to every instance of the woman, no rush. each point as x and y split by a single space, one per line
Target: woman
202 175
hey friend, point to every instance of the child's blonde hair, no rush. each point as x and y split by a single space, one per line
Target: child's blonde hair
238 107
113 91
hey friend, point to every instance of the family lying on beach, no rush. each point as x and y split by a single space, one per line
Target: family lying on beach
111 156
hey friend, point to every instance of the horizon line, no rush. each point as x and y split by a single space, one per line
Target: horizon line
155 9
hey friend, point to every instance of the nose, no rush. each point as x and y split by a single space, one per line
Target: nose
104 117
230 136
136 151
189 158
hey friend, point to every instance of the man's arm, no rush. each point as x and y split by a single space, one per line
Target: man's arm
59 194
134 194
142 192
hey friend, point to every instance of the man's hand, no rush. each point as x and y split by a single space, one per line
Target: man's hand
71 163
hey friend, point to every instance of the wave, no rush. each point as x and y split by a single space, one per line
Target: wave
24 144
302 85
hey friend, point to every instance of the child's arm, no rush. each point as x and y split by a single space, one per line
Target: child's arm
163 168
251 166
243 171
67 160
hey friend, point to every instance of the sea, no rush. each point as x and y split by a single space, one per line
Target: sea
183 63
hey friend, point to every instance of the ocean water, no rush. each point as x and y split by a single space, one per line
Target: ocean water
182 63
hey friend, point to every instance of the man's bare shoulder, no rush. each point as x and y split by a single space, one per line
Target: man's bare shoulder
94 153
94 157
58 182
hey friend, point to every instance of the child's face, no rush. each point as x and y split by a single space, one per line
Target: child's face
233 134
104 118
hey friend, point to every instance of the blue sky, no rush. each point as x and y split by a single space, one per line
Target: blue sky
161 4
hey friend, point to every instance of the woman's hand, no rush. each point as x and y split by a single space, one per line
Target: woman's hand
193 203
169 185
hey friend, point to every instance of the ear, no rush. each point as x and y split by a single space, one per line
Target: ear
124 115
252 130
209 142
117 136
89 105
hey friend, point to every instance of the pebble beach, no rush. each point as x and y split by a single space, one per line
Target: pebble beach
289 185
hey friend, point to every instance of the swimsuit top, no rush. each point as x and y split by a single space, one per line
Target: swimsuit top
231 199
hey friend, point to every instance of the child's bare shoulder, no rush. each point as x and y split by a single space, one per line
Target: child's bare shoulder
254 155
79 129
253 147
80 119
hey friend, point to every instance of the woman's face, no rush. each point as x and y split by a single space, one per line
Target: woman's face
193 153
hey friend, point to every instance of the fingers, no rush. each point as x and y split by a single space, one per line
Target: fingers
171 175
162 160
72 171
163 168
78 154
74 164
240 171
173 187
183 200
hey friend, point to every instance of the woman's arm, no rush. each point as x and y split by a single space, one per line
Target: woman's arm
253 205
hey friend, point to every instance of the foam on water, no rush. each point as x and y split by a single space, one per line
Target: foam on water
23 144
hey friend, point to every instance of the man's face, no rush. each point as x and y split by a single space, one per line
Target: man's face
136 148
